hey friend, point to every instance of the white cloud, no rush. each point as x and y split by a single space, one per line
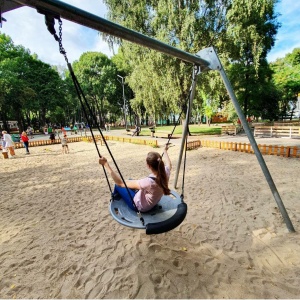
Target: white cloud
27 27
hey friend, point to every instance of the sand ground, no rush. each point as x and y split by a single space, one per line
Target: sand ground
58 239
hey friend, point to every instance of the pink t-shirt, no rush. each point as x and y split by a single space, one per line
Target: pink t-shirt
150 192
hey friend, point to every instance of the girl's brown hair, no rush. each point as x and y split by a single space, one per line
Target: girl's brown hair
154 160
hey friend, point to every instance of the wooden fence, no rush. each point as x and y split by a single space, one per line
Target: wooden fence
151 142
98 138
229 129
36 143
277 131
193 145
284 151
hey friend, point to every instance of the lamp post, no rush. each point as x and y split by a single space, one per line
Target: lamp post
124 106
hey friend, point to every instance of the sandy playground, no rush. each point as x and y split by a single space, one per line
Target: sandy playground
58 239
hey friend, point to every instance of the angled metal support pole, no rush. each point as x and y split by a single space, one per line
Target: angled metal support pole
186 124
210 55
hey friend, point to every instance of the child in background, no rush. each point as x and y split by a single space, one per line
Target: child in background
52 137
29 132
25 139
64 144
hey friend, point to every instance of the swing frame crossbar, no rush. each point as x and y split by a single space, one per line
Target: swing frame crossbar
206 59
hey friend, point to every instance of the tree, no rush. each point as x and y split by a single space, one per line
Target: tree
48 86
28 86
7 79
252 26
123 69
160 83
257 88
98 78
287 79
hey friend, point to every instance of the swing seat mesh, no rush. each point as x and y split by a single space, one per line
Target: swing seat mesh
165 216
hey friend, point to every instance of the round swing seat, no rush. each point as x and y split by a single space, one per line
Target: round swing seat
165 216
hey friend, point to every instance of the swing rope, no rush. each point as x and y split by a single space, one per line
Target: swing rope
50 22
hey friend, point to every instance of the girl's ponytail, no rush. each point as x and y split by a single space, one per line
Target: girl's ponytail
154 160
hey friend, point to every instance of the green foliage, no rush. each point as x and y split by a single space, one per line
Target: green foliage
242 31
98 79
29 87
230 112
252 27
255 90
287 78
194 129
120 62
160 83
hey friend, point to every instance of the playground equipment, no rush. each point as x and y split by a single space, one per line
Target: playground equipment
206 60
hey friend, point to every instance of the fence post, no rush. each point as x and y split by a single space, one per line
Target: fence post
295 149
271 131
249 148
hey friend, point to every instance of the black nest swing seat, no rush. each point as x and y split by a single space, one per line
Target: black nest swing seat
165 216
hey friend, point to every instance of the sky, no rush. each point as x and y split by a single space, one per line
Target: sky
27 27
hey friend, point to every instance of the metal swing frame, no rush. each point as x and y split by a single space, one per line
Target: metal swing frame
207 59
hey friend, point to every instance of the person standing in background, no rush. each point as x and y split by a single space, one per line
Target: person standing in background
29 132
9 144
64 145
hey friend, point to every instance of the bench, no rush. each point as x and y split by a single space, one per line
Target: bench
164 134
135 131
277 131
152 129
229 130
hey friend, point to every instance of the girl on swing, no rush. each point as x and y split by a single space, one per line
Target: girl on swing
145 192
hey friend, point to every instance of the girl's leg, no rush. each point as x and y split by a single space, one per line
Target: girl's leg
122 191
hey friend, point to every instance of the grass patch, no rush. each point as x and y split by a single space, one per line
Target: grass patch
194 129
